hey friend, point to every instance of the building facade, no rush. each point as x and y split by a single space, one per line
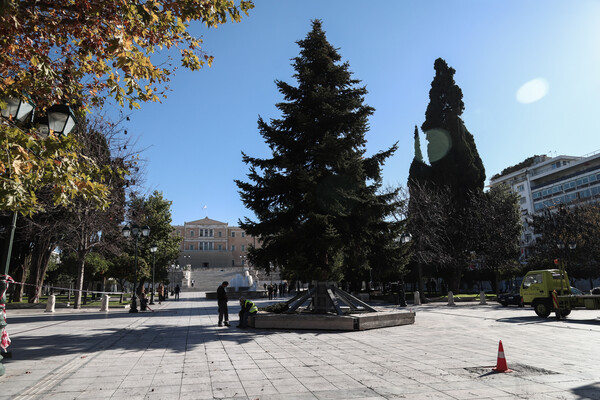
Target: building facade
207 243
547 182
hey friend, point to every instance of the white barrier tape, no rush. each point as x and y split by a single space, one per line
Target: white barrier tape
68 289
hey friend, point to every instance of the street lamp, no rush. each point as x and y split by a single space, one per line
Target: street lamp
18 111
153 249
405 239
136 231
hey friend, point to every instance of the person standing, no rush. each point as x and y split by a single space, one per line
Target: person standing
177 290
161 292
222 303
270 291
247 308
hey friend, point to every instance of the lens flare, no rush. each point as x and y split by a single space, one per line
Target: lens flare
532 91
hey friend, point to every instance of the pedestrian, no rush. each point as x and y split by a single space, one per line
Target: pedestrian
285 288
222 303
193 283
177 290
161 292
270 291
247 308
275 290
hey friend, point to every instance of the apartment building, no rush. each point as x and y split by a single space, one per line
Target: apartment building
544 182
212 244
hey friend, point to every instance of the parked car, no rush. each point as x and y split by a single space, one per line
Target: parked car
513 297
576 292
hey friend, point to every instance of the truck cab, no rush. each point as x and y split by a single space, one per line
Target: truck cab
537 288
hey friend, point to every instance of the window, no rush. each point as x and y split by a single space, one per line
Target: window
200 232
232 234
243 247
220 234
537 195
233 247
556 165
191 233
522 200
210 233
520 188
220 246
532 280
528 238
191 247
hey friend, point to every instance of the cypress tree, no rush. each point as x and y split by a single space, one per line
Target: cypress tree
316 199
455 164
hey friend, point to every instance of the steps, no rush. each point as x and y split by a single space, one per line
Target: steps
208 279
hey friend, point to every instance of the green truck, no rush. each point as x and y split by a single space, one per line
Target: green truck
537 288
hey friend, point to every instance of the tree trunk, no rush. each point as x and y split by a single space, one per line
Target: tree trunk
79 281
40 259
454 284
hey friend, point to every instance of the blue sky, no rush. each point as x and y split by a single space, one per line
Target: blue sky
548 49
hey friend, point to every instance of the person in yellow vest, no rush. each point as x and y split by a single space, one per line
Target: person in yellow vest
247 308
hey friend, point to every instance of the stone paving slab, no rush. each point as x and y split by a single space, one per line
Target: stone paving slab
178 352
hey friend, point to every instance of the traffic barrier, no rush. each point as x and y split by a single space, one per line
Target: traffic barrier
555 304
105 303
51 303
417 300
482 298
501 362
451 299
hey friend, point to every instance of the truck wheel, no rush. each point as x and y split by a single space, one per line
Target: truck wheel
504 303
542 309
564 313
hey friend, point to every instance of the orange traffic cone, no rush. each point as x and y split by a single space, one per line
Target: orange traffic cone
501 363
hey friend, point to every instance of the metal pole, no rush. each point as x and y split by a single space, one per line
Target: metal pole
4 278
133 308
153 265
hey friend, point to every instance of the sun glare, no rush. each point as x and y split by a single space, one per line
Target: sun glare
532 91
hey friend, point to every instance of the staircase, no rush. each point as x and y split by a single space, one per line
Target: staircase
208 279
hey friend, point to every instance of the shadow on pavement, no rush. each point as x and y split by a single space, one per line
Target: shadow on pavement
588 391
177 339
533 319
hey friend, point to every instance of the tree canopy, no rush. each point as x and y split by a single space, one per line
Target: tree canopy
79 53
82 51
317 200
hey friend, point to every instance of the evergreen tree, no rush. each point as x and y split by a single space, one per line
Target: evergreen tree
454 165
317 199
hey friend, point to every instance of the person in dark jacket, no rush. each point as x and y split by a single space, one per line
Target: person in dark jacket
222 302
247 308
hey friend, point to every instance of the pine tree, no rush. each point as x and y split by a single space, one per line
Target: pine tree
317 199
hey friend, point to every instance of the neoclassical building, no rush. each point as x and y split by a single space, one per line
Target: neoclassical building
212 244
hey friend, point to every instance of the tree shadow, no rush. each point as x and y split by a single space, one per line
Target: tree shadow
588 391
533 319
178 339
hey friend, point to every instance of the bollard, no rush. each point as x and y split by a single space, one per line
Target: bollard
451 299
105 302
417 301
51 303
482 298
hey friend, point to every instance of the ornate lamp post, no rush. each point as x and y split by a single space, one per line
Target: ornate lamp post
405 238
19 112
153 249
136 231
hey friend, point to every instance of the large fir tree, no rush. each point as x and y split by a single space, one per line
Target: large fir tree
317 199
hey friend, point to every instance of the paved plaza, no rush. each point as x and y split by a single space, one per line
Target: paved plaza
178 352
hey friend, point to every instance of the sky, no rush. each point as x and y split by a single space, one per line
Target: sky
529 71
